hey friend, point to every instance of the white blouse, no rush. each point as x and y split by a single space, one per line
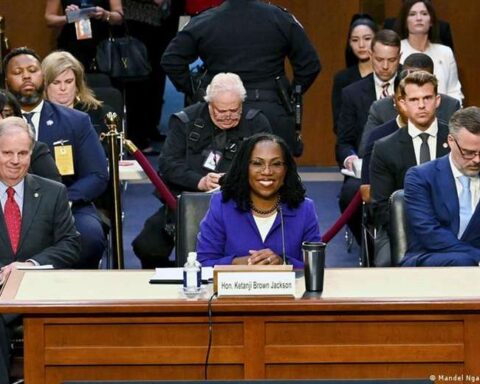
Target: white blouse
445 67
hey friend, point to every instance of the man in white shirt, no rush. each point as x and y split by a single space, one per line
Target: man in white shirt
441 200
422 139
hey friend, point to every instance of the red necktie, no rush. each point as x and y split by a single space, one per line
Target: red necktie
385 90
13 218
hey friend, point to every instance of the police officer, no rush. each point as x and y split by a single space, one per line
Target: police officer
201 143
250 38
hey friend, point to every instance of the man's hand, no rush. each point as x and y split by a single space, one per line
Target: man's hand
209 181
5 271
348 163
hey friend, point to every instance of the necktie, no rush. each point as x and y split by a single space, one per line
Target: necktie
424 149
385 90
465 203
29 116
13 218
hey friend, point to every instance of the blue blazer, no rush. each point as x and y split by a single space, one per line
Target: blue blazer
227 232
432 212
90 165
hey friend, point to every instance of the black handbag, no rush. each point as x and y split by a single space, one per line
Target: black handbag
124 58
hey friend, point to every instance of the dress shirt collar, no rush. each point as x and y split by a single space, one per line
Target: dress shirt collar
19 192
379 85
414 132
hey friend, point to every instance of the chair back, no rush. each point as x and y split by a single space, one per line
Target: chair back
398 227
191 208
112 97
95 80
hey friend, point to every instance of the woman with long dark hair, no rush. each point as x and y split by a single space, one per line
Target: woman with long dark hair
261 215
418 29
357 58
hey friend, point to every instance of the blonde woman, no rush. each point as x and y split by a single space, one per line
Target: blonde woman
65 84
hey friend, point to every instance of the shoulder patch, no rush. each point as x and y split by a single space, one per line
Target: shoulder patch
290 14
251 114
182 116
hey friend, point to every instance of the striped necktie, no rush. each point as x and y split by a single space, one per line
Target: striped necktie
385 90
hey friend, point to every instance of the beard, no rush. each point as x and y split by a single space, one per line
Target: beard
31 99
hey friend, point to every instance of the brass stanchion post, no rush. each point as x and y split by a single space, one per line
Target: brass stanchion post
114 137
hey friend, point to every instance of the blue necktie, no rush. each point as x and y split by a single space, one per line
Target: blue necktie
465 203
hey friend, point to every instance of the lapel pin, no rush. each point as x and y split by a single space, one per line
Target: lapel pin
36 194
445 145
49 122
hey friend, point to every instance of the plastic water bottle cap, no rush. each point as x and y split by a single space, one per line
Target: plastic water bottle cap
192 256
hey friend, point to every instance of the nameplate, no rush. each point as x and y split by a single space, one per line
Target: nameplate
256 284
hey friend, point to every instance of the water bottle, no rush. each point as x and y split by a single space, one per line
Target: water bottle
192 275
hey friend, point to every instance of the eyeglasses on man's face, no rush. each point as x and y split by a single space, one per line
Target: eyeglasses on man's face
224 114
466 154
261 166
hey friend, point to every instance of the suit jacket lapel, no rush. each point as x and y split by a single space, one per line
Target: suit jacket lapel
47 125
407 151
471 232
31 202
442 144
445 185
5 238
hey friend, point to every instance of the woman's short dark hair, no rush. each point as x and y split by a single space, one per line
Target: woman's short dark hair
235 183
357 19
6 98
401 22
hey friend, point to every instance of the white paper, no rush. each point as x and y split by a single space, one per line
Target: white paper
176 274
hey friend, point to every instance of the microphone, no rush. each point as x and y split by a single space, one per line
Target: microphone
283 234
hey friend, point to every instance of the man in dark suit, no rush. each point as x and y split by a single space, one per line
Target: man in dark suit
356 101
384 110
36 223
73 142
424 138
441 200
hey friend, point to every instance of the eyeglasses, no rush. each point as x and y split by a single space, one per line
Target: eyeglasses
260 166
6 112
226 114
466 154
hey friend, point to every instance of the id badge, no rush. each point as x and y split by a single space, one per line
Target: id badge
212 160
83 28
64 159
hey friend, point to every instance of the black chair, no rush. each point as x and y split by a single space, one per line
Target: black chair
95 80
191 208
398 227
112 97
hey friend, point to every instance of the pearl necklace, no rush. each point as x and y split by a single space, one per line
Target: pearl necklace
267 211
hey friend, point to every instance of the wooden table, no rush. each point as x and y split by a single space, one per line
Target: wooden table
368 323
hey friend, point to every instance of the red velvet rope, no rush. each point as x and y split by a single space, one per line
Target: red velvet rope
162 188
343 219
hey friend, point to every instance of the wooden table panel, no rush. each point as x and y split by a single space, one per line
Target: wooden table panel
343 333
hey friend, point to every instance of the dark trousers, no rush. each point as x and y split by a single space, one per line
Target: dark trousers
154 243
92 236
144 98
